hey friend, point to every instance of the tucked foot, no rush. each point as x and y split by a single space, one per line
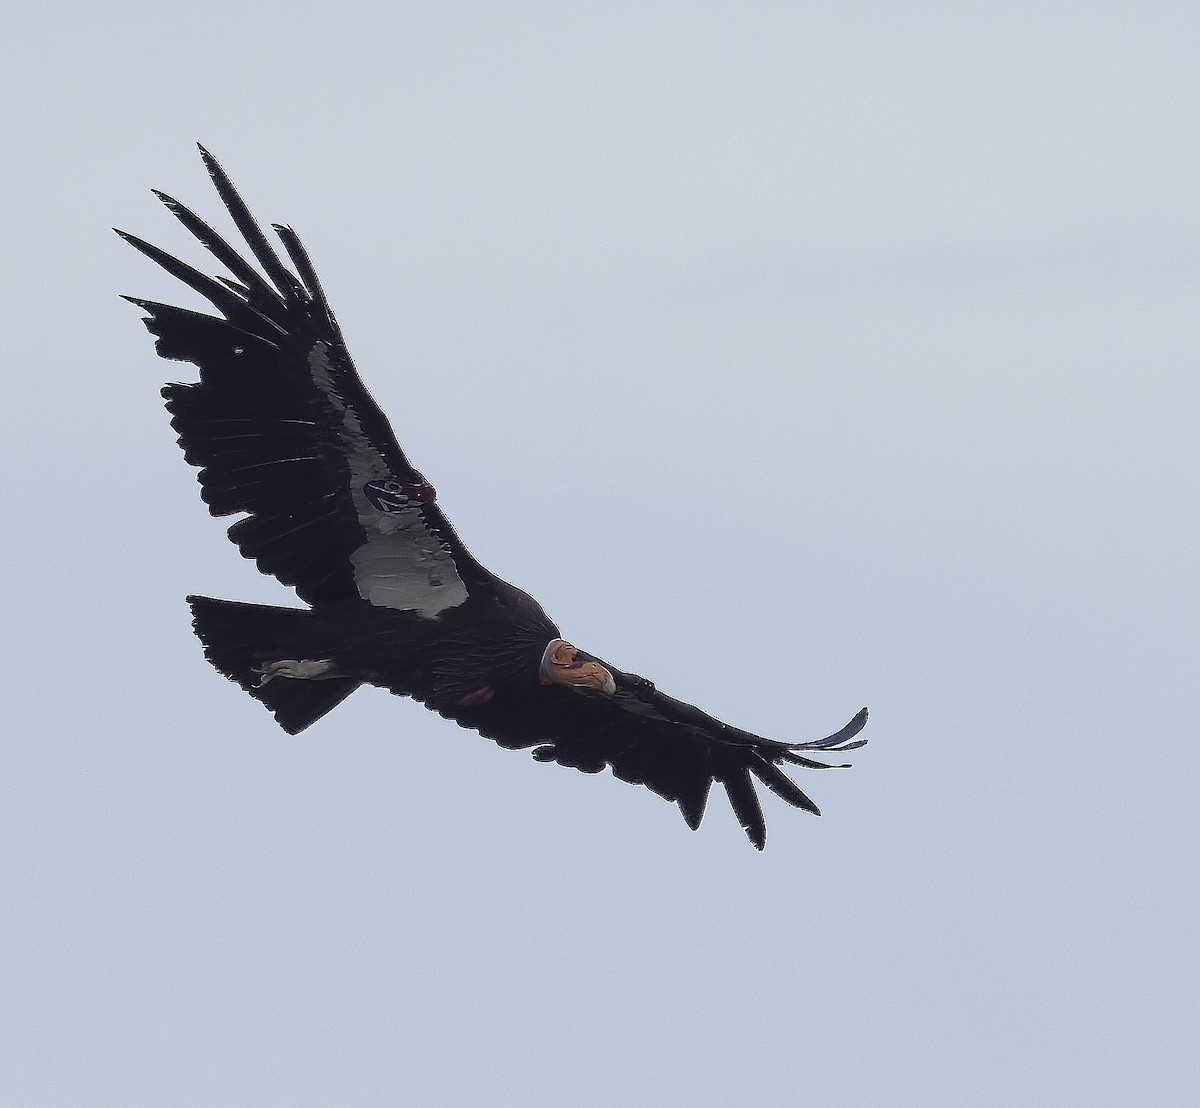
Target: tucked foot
478 696
308 669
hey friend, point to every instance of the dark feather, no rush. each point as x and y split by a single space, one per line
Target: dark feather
308 274
234 308
255 239
221 250
838 738
744 801
780 784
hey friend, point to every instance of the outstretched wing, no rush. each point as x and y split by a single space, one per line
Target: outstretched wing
651 739
283 429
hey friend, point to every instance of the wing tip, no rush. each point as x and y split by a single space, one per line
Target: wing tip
840 739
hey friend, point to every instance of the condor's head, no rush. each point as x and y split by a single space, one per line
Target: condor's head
563 664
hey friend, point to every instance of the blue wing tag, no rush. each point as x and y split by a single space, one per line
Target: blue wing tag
387 496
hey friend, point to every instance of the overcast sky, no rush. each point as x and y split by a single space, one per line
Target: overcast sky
796 356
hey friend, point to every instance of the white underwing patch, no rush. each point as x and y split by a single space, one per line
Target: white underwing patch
403 564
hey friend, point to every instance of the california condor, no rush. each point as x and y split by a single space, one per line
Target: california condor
285 434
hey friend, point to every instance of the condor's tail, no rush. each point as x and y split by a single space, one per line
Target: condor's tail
242 640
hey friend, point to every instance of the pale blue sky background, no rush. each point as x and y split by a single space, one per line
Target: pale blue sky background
797 356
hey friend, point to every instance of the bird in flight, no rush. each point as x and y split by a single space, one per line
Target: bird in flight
286 435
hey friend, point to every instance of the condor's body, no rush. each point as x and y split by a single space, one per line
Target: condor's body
284 432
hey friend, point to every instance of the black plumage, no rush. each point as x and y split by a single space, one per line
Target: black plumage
284 432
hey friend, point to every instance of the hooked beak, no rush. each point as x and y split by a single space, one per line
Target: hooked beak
562 664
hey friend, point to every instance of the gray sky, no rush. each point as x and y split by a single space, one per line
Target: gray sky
799 357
